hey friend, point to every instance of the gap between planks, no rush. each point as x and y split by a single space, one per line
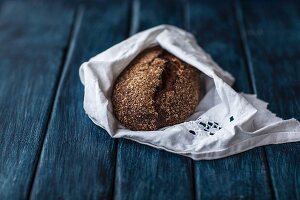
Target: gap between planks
67 55
250 72
186 15
131 22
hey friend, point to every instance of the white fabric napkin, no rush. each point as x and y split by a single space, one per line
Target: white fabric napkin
224 123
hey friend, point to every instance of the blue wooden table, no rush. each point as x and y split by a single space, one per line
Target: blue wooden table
49 149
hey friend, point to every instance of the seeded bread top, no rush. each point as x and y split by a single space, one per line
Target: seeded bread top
156 90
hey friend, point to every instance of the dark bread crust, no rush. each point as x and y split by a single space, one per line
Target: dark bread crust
156 90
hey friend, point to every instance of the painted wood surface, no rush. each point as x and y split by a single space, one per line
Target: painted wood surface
143 172
55 152
29 69
243 176
273 38
78 157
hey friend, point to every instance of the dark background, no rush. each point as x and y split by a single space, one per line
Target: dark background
49 149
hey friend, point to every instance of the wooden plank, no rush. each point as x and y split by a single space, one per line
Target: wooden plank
143 172
272 39
242 176
78 158
32 46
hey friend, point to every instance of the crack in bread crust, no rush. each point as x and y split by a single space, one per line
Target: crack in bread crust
156 90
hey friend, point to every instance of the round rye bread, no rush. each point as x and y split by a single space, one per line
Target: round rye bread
156 90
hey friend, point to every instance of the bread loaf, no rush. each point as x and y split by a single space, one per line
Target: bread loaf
156 90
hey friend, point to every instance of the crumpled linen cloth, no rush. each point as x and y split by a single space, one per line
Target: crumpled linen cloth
224 123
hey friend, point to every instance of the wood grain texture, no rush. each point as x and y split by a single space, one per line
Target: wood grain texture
78 157
273 41
242 176
79 160
144 172
29 68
